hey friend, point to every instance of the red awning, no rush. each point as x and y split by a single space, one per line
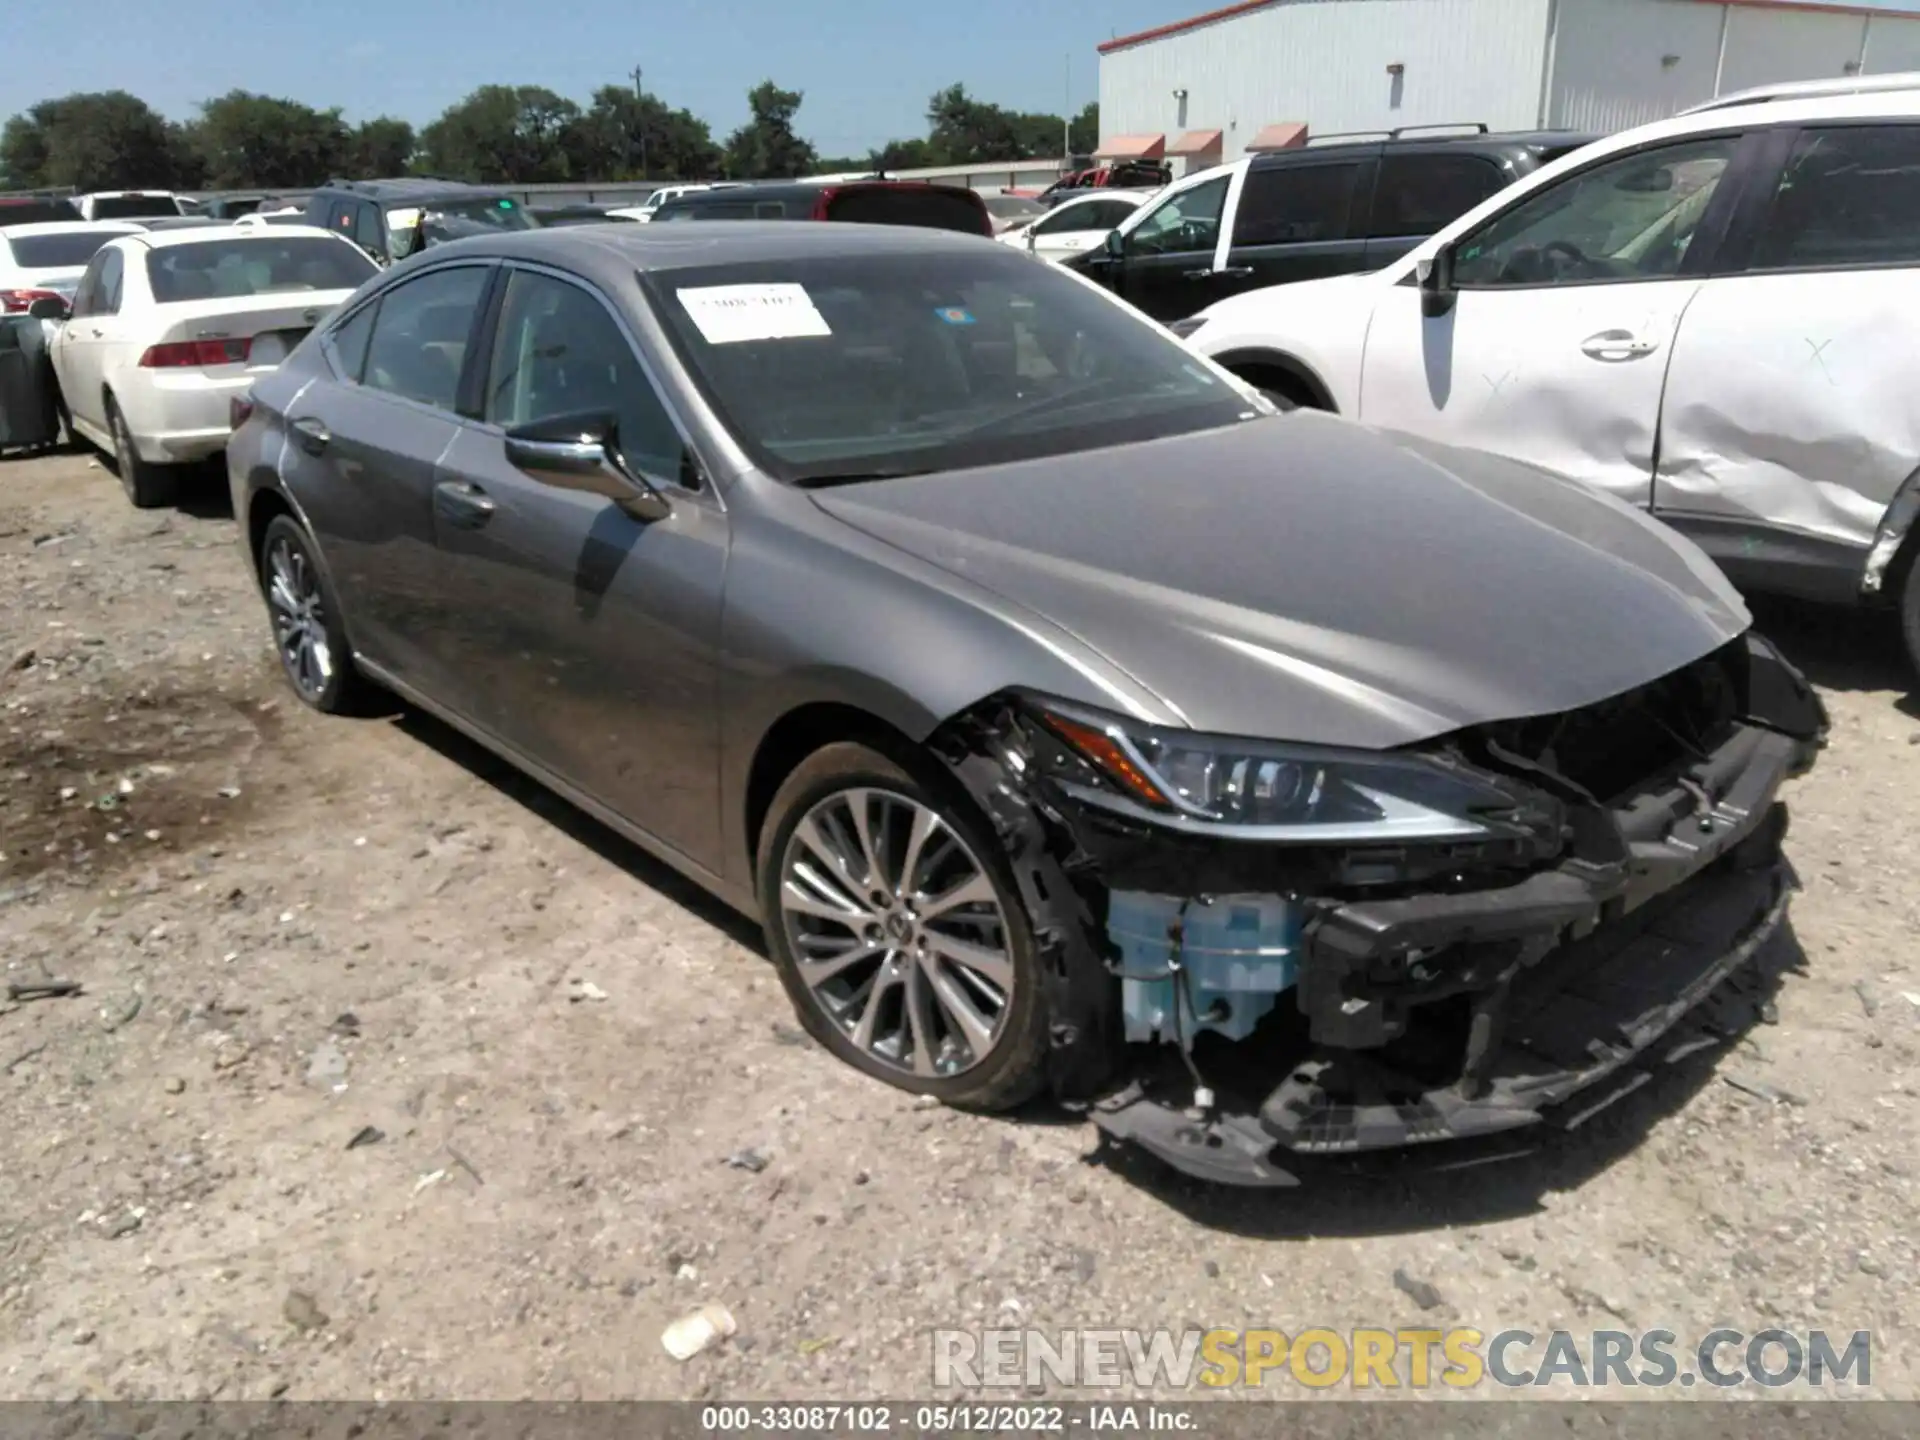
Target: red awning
1287 135
1196 142
1132 147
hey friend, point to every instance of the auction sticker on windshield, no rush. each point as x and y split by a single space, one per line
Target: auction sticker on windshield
728 314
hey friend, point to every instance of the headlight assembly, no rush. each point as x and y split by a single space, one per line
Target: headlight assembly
1261 790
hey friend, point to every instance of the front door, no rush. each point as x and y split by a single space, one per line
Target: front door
361 464
1555 348
598 634
1166 263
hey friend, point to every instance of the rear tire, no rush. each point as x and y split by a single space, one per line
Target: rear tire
308 633
148 486
924 1034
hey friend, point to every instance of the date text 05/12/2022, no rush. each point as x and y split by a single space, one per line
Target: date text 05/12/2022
960 1418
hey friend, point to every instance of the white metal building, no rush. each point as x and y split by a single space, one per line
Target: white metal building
1340 65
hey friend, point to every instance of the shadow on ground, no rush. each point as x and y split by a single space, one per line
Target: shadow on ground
1841 648
577 825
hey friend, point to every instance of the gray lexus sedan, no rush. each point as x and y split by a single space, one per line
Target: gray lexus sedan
1074 721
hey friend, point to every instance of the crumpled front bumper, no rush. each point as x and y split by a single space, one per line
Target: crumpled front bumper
1571 978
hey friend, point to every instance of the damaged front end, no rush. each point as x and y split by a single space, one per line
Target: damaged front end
1259 952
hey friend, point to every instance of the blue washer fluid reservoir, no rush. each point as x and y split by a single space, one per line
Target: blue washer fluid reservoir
1240 951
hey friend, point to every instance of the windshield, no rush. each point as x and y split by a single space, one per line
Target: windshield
69 251
268 264
480 215
126 207
830 368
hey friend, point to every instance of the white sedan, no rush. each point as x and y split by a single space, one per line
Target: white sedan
168 327
48 259
1075 225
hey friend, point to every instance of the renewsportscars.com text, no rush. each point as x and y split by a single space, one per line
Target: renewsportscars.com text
1458 1358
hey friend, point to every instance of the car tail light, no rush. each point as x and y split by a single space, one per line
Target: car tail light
238 409
823 202
18 302
187 354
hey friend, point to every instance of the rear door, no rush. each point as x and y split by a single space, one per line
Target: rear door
1166 262
89 341
1296 220
596 634
1791 417
69 345
1418 193
361 464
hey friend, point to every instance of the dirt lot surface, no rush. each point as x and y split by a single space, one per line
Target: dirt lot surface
290 929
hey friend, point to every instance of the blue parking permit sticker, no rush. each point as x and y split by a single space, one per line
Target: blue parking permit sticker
954 315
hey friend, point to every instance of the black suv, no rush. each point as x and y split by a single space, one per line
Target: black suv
1338 204
390 219
865 202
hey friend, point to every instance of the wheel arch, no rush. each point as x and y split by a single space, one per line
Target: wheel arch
1254 364
798 733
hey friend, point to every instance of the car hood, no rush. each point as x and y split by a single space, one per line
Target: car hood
1306 578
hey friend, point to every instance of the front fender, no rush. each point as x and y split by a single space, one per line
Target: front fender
820 613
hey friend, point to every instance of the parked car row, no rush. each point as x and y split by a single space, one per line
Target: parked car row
1711 318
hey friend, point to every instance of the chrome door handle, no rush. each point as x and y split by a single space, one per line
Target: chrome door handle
311 435
1616 345
462 504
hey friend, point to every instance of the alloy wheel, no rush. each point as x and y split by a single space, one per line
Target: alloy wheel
299 618
898 932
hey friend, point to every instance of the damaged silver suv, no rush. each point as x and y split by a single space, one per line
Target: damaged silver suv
1070 717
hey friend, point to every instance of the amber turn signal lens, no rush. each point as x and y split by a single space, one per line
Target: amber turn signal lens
1112 761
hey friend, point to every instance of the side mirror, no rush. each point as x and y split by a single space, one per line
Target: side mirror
1116 244
579 452
49 307
1435 277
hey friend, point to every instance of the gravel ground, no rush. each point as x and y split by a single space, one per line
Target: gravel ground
295 931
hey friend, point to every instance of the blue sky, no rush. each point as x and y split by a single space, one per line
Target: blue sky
867 66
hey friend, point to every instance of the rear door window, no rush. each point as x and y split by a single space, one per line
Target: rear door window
911 205
106 299
1295 204
1419 194
419 342
1849 196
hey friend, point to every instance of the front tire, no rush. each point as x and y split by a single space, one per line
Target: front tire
307 631
148 486
1910 612
898 931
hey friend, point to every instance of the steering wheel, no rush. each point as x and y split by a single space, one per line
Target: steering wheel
1575 258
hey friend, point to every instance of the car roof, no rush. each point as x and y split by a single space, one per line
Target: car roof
407 188
611 254
1812 90
72 227
1390 141
193 235
112 194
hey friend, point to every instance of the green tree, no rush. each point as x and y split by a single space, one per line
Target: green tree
962 130
1085 137
902 155
766 147
513 134
247 139
104 140
622 135
379 148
